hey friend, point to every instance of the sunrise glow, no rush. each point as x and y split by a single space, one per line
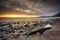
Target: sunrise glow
17 16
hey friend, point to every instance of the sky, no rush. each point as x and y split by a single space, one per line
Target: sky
30 7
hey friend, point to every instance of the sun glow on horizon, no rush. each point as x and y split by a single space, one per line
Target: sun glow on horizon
17 16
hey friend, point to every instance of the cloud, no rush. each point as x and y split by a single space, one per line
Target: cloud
3 8
17 4
4 0
37 7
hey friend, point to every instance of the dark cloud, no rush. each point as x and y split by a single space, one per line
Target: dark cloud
6 5
3 5
15 4
52 2
4 0
44 7
3 8
39 0
18 4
